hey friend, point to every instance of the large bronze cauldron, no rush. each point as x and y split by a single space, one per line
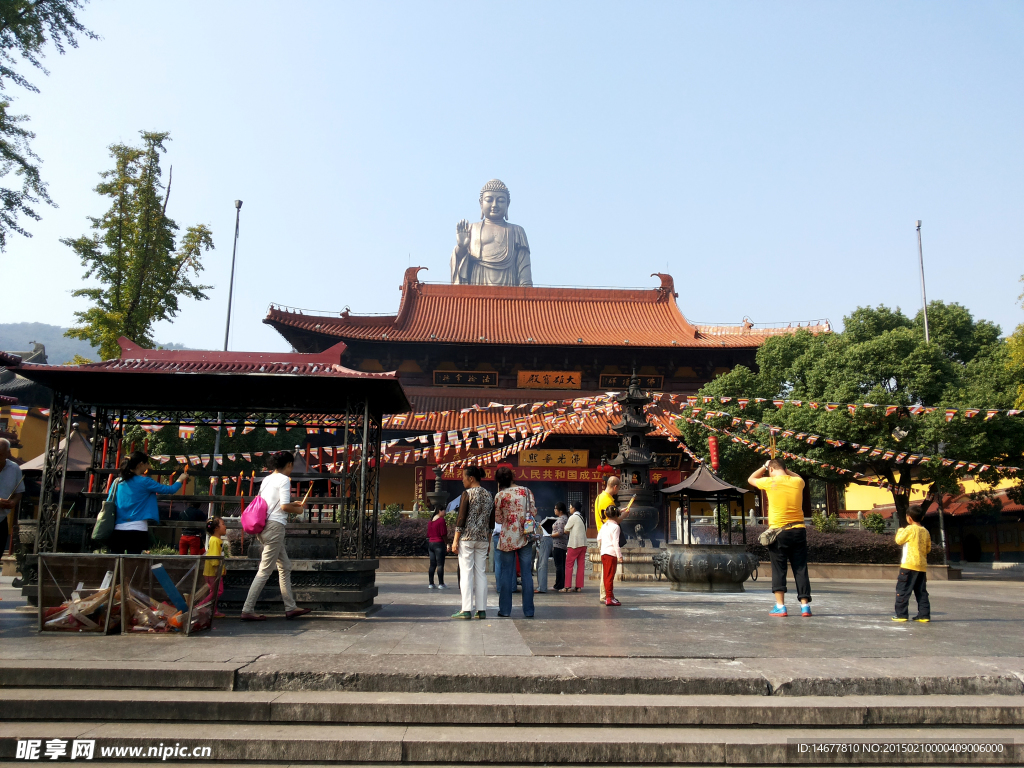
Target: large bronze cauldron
707 567
642 513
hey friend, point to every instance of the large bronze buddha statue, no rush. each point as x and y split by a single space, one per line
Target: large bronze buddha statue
491 251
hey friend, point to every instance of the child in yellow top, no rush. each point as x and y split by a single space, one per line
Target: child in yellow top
916 543
213 570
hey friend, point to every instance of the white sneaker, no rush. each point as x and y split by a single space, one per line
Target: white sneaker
442 586
431 586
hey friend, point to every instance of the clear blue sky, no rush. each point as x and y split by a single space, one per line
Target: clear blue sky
771 156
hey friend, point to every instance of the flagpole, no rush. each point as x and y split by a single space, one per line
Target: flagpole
924 298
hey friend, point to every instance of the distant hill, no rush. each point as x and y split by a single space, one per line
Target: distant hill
18 337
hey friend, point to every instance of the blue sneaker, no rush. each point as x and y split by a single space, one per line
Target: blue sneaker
777 611
805 610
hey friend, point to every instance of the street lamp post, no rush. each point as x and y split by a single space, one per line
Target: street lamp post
227 331
924 297
924 306
234 250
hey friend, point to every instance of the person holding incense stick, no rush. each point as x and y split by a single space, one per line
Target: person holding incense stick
276 490
135 497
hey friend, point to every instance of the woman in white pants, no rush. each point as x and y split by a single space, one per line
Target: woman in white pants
472 541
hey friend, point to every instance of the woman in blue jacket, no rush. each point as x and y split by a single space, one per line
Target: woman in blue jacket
136 505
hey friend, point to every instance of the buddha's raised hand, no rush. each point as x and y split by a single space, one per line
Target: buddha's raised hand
462 233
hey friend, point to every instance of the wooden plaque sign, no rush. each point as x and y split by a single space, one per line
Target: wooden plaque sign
542 457
465 378
549 380
621 381
668 460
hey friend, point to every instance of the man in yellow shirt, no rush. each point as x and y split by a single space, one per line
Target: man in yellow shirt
916 543
785 491
605 499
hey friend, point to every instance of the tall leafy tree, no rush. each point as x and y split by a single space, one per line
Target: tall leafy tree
26 27
880 357
1016 342
133 252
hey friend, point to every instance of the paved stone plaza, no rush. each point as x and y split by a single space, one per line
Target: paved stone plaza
973 619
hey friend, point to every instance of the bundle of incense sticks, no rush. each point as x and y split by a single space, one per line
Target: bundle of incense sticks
631 502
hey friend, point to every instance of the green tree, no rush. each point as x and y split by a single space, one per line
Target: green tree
1016 345
133 255
25 28
879 357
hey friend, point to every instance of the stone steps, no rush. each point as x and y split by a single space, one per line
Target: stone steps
353 708
305 727
434 744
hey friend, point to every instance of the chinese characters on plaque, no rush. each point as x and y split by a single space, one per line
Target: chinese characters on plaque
419 489
539 457
668 460
548 474
616 381
465 378
549 380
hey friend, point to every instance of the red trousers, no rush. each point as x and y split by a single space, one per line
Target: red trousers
608 566
574 555
190 545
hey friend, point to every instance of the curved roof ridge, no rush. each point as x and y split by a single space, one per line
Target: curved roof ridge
527 315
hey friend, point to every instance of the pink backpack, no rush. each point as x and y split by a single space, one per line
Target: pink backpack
254 517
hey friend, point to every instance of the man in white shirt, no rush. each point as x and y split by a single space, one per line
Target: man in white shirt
276 490
11 489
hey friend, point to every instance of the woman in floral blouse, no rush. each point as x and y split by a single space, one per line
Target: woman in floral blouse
472 540
513 506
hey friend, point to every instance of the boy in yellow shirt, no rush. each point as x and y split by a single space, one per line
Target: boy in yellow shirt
916 543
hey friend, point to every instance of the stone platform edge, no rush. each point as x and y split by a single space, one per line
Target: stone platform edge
544 675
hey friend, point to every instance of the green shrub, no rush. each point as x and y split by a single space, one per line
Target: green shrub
449 520
407 538
874 522
722 517
162 549
391 514
425 514
824 523
849 545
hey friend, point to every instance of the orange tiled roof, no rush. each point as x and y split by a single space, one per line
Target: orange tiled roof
443 413
955 506
475 314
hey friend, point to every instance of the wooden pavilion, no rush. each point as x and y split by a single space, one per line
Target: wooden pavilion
203 388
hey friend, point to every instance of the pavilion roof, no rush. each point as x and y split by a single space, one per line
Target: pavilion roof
203 380
703 481
535 316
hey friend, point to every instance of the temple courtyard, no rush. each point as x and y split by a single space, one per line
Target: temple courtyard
978 624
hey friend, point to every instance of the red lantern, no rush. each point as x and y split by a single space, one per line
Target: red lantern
713 449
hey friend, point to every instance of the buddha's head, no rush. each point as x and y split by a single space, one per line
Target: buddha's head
494 200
